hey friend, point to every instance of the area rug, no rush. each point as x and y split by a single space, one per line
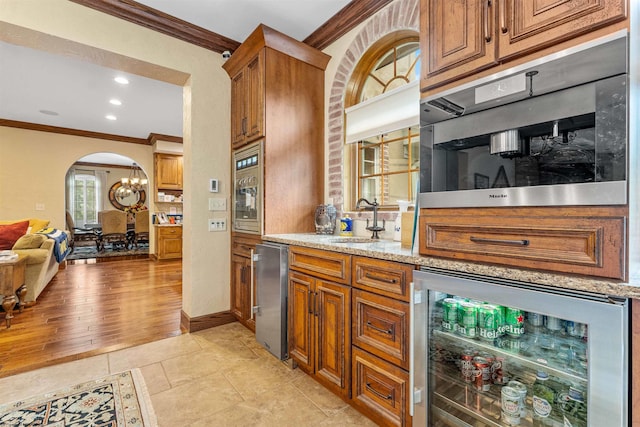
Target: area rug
88 252
118 400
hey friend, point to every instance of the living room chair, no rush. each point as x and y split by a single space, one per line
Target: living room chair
141 228
114 229
77 234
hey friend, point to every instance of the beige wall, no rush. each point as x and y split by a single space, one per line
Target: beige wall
33 166
64 27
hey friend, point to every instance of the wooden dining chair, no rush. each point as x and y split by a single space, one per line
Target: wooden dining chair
141 228
114 229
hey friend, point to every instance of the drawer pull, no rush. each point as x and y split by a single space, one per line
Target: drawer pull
384 331
523 242
380 279
377 393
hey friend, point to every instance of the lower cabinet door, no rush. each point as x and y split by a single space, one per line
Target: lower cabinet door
301 321
333 342
380 390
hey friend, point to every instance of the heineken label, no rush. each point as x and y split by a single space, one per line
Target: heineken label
514 321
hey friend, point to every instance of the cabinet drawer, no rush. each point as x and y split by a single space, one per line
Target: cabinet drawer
243 246
381 326
384 277
323 264
587 241
380 389
171 232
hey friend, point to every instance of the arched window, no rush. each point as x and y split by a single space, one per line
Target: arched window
382 121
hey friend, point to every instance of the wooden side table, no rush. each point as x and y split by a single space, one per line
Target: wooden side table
12 284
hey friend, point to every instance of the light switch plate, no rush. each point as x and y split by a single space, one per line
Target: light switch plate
217 224
217 204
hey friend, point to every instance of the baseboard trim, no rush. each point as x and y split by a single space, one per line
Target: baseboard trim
193 324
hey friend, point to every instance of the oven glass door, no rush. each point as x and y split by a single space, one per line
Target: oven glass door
247 192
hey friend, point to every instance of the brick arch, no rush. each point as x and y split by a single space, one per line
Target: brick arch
399 15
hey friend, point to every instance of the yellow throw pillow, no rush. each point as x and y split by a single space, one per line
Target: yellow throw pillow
30 241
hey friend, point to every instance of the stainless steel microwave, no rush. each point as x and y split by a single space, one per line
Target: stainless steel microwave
552 132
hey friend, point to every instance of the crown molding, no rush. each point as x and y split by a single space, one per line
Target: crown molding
349 17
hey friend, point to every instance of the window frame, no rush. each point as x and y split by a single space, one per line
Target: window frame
353 94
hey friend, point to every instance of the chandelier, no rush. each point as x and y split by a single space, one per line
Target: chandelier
136 181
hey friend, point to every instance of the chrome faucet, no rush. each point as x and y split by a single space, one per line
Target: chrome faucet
375 228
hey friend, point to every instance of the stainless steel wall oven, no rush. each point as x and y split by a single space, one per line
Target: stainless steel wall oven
550 132
247 192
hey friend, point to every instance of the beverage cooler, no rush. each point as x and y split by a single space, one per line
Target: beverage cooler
500 353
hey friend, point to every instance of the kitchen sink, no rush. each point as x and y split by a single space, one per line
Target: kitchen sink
354 240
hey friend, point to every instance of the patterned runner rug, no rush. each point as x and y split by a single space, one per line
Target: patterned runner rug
118 400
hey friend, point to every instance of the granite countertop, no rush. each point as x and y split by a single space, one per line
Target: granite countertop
393 251
168 225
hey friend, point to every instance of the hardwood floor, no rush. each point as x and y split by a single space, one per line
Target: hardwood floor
90 309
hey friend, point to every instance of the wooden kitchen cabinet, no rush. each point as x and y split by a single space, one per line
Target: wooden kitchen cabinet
380 390
168 242
459 39
380 339
580 240
319 322
319 334
168 171
247 102
243 283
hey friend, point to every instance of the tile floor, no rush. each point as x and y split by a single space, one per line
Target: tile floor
216 377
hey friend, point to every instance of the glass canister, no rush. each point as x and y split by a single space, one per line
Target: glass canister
325 219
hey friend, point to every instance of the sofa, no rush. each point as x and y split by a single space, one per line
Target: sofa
41 264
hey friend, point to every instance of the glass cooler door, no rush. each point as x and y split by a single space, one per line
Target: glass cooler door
503 355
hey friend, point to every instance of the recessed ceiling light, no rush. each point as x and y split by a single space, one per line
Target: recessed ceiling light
122 80
49 112
110 117
115 102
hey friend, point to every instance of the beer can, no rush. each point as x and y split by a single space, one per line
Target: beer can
502 327
498 371
510 402
535 319
488 319
449 314
482 373
575 329
514 320
466 365
553 323
522 391
467 319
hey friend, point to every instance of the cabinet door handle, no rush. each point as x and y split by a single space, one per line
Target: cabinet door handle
315 303
523 242
377 393
487 21
309 302
244 125
503 17
380 279
384 331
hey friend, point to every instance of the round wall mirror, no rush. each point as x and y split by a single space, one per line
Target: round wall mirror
122 197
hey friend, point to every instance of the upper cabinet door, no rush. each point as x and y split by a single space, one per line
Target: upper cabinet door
247 102
168 171
525 26
459 39
255 97
238 108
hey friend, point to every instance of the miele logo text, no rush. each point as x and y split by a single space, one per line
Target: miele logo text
497 196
